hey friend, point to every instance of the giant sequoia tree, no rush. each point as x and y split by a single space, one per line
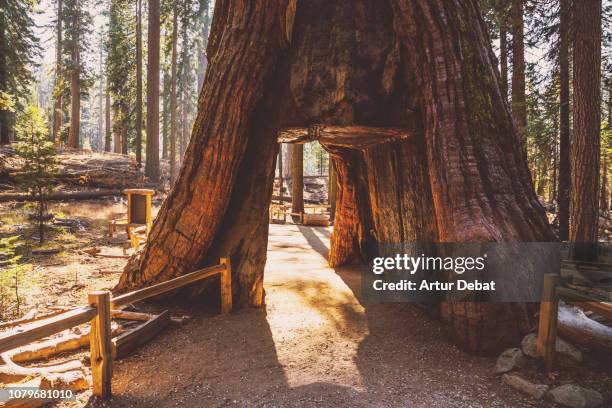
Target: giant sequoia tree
416 75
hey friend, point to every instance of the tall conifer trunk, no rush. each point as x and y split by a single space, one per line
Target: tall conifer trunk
563 192
4 114
57 106
519 103
153 42
75 82
173 96
587 121
139 82
297 178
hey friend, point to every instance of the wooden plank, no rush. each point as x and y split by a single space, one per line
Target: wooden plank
547 329
164 287
19 322
124 344
141 317
100 345
585 301
226 285
43 328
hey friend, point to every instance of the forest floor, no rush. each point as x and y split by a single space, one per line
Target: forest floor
314 344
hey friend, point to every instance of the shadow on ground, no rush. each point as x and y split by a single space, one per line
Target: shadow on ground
314 344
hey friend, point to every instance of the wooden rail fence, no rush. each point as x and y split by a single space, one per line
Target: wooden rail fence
103 348
553 292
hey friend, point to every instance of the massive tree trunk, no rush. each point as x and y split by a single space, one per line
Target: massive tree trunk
459 176
297 178
139 81
587 114
152 153
519 103
57 92
565 180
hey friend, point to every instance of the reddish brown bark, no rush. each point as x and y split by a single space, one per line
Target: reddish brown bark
585 144
139 82
57 105
519 103
152 143
297 178
244 46
565 181
416 64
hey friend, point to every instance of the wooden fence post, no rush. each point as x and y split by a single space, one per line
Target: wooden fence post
547 328
226 285
100 344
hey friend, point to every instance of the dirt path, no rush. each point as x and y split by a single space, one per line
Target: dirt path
314 344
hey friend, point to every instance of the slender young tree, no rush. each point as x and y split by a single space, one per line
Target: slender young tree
153 56
107 126
584 219
565 180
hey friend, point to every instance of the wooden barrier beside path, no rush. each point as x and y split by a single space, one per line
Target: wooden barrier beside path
101 306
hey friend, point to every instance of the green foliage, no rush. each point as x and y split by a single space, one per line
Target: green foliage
121 66
7 102
11 275
40 165
19 49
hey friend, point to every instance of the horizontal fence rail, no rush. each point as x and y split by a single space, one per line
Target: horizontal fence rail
98 313
47 327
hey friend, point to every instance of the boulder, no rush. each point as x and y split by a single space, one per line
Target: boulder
509 360
535 390
564 349
575 396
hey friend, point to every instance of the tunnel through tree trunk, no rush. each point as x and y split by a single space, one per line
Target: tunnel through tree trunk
411 64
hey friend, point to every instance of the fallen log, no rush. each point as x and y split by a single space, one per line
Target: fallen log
126 343
577 328
61 196
287 199
12 372
51 347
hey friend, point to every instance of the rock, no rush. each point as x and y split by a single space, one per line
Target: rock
575 396
509 360
70 380
535 390
562 347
